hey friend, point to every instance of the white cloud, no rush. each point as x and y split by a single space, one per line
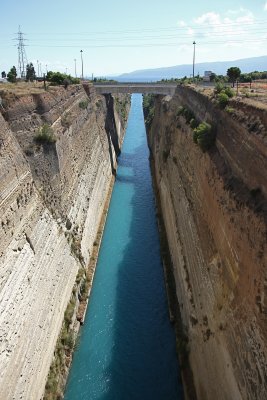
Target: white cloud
210 18
232 34
265 7
226 27
237 11
182 24
228 35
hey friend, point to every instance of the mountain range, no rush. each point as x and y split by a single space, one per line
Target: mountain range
179 71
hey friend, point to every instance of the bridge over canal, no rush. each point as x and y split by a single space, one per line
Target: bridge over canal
154 88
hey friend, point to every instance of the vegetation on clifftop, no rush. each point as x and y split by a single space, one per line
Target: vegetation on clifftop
57 78
223 94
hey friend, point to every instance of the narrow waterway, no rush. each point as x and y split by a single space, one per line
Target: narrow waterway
127 346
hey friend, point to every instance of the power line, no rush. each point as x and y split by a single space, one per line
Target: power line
154 44
22 58
201 35
171 28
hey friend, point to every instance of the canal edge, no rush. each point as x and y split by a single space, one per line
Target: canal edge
173 305
60 367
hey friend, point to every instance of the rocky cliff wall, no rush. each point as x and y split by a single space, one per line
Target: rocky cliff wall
214 210
52 196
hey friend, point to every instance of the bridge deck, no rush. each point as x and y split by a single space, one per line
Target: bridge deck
116 88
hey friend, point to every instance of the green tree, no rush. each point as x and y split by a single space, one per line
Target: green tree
30 73
12 75
49 75
3 74
57 78
233 74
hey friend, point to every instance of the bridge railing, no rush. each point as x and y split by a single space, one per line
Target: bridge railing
134 83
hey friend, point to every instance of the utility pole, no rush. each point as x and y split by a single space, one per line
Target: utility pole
22 58
75 67
82 62
38 72
194 59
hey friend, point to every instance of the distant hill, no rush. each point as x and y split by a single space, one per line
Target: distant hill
179 71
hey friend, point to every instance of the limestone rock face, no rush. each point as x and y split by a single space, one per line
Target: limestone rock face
214 210
51 200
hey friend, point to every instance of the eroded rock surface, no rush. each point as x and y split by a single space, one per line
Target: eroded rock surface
214 210
51 199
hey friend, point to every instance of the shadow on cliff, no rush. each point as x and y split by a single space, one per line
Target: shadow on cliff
111 131
142 362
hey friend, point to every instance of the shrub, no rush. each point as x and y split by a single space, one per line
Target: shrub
80 275
67 338
204 136
223 99
186 113
68 315
83 104
45 135
57 78
230 110
230 93
219 87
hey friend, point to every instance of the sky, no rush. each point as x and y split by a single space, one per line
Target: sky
122 36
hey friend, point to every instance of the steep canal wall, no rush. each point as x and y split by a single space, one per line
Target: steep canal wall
57 164
213 205
126 349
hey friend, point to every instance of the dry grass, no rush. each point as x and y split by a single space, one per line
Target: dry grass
256 96
22 88
10 92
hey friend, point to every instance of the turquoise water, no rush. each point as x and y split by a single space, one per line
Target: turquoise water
127 345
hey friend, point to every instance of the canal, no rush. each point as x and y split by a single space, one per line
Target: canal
126 350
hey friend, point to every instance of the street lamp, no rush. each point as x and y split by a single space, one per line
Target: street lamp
82 62
75 67
194 58
38 68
